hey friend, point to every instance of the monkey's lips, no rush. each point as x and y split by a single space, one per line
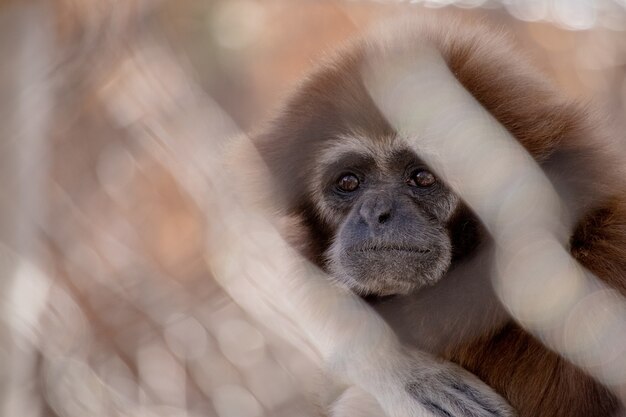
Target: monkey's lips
392 248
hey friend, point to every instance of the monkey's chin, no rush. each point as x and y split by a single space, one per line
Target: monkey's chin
395 276
373 289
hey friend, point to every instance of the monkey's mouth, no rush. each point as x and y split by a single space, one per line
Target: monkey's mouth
391 248
375 299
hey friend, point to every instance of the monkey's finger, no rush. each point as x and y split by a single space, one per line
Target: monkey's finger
453 397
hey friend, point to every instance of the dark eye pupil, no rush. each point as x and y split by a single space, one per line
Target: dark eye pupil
423 178
348 182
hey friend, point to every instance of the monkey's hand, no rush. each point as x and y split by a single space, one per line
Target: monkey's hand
426 387
446 390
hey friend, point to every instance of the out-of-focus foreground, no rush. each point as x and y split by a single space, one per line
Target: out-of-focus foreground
109 306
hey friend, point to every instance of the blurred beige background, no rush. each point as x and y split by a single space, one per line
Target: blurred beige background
109 306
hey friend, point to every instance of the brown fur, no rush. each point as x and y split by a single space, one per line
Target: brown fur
562 135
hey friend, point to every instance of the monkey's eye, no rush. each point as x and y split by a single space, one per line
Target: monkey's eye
422 178
348 183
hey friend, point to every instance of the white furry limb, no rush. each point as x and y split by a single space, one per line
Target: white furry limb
491 171
270 280
353 341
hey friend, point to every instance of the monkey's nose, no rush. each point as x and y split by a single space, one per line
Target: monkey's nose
377 211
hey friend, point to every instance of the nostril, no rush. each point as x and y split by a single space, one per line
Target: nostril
383 218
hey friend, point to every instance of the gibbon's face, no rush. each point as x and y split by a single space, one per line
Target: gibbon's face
387 213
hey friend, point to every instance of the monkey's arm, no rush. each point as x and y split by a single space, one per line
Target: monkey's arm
521 209
347 335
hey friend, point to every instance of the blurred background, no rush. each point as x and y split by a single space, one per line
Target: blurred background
109 307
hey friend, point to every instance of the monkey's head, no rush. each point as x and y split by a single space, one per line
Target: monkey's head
372 213
368 209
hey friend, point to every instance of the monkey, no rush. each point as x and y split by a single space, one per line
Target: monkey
363 206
